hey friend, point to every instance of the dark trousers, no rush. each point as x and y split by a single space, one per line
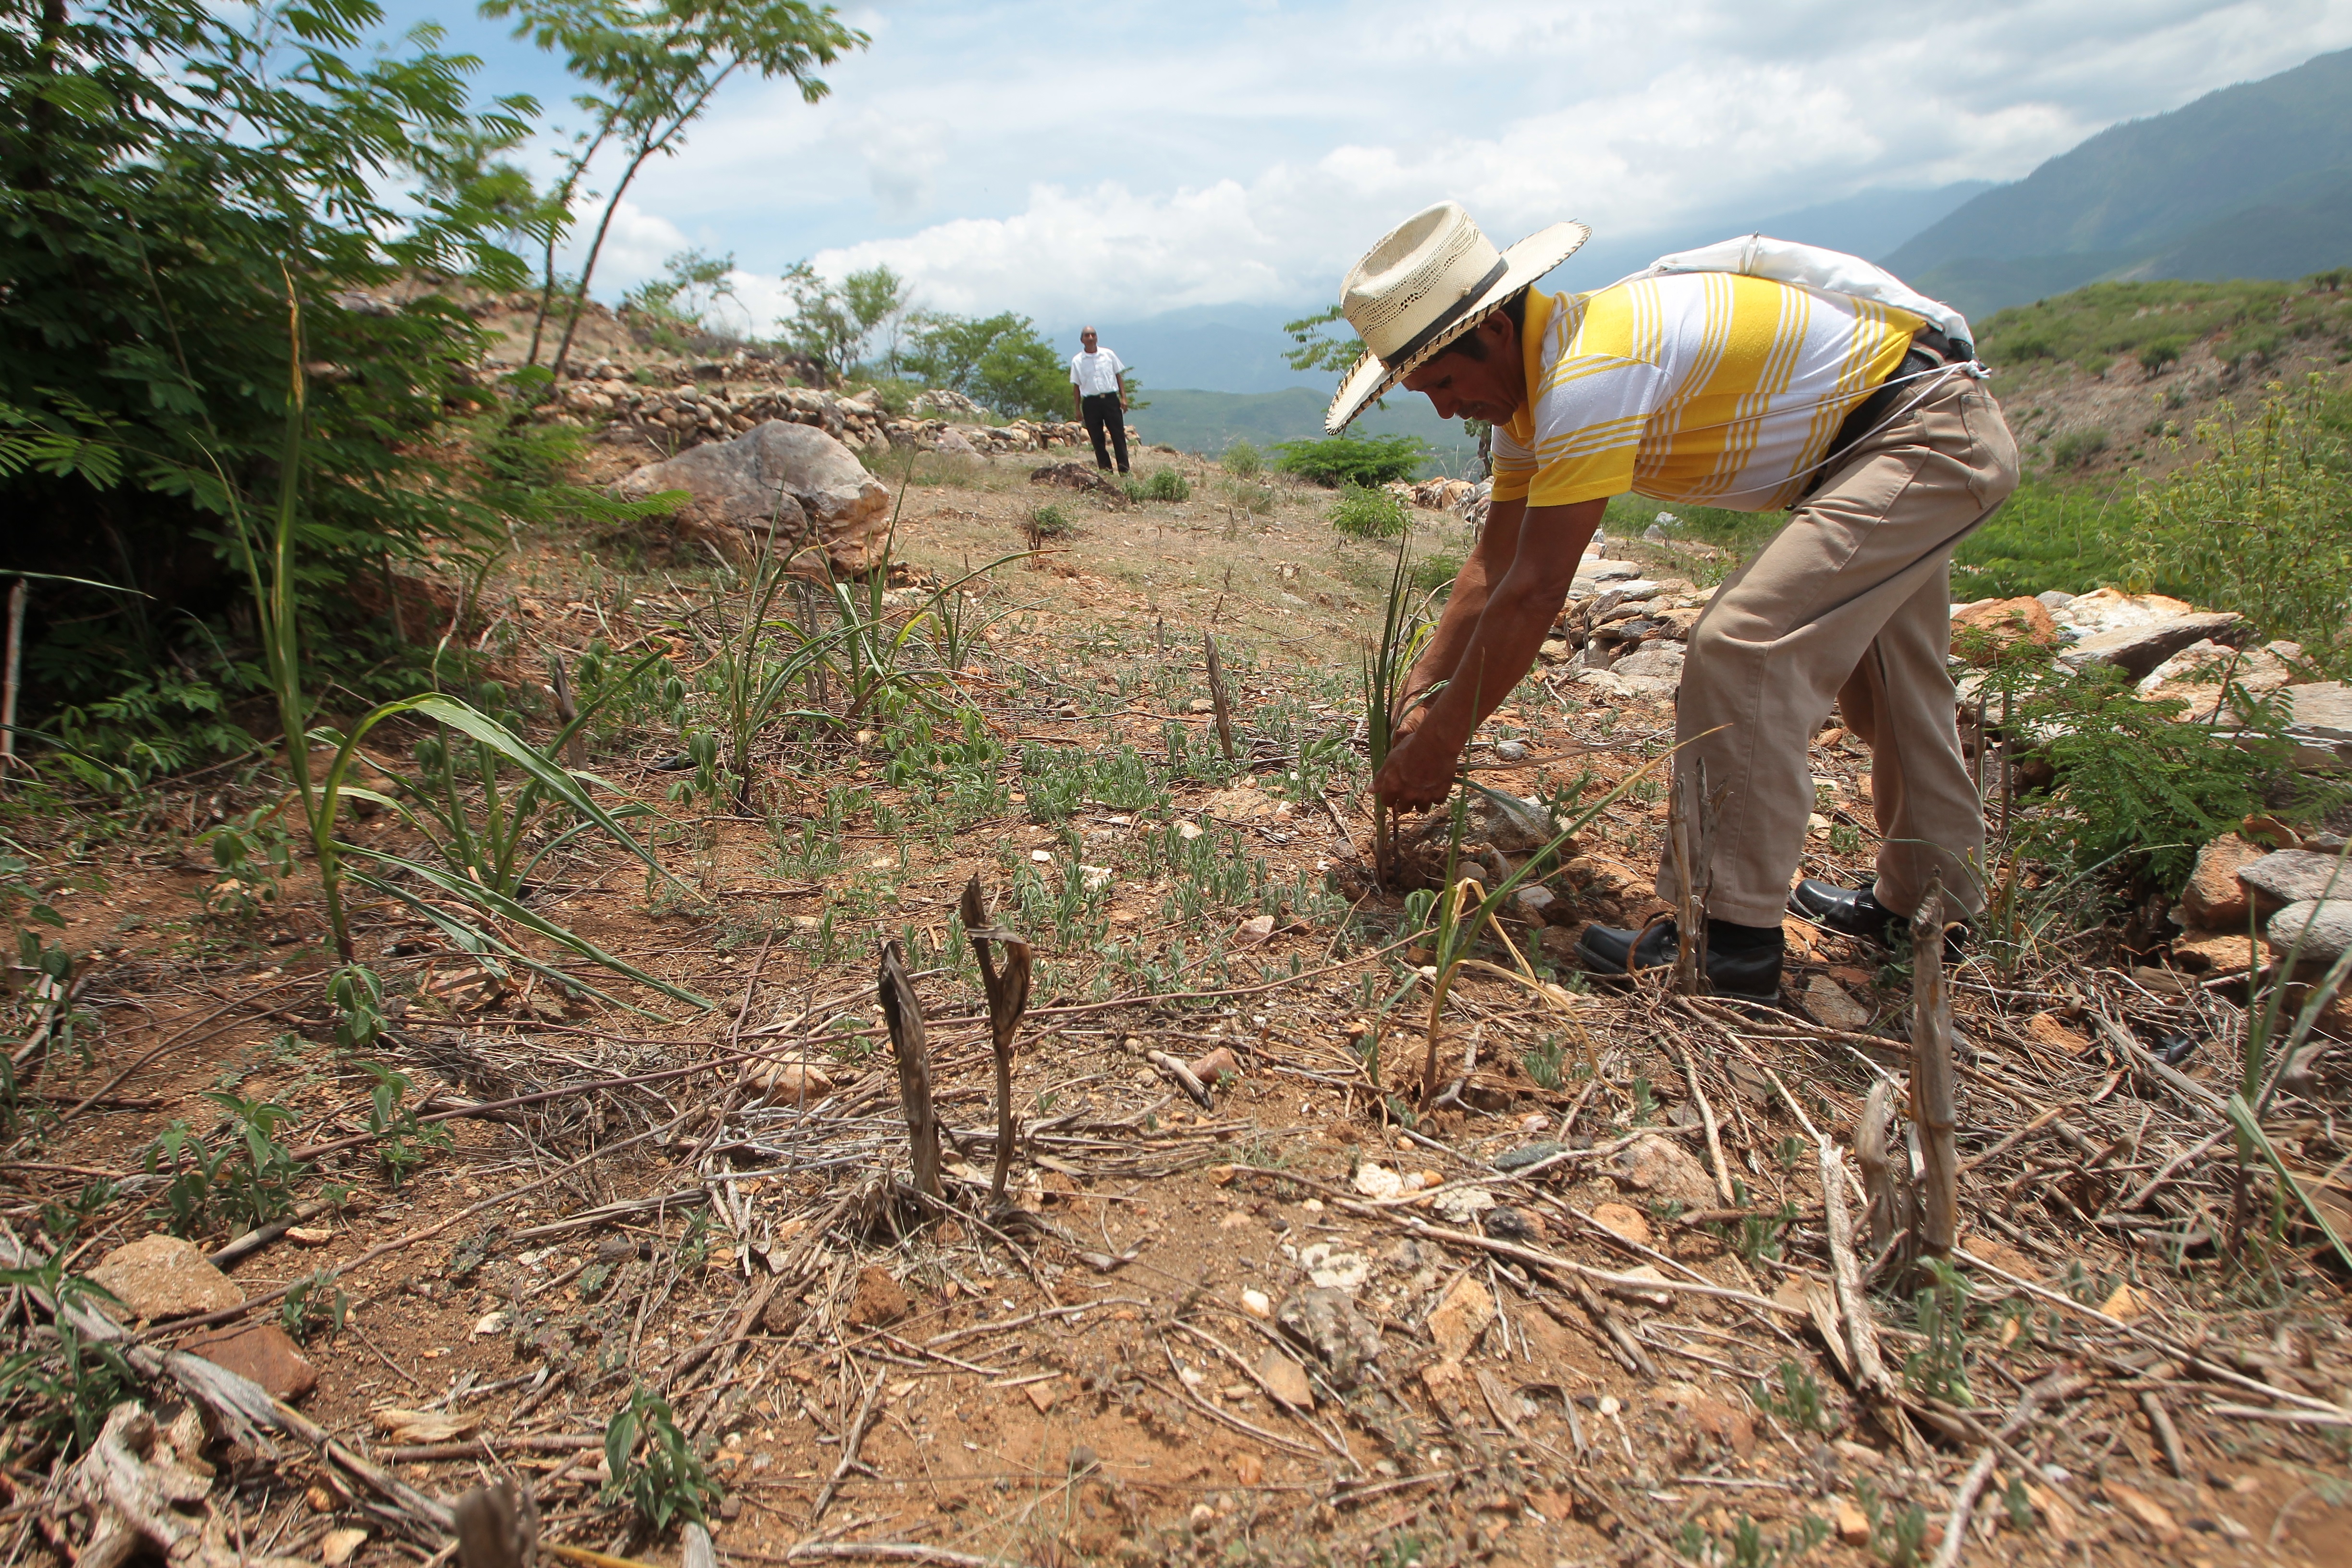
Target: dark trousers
1102 411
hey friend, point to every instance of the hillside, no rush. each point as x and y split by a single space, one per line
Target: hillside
1209 422
2248 180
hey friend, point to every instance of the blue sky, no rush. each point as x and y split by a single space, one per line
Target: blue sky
1117 160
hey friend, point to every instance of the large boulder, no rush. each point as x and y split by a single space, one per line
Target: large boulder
2319 723
2214 898
2137 650
793 478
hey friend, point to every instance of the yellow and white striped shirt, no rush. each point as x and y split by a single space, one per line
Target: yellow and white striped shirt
1709 388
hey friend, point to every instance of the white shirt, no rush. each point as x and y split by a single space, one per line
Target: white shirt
1097 372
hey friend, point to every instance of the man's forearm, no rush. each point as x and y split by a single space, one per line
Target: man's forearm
1497 547
1516 617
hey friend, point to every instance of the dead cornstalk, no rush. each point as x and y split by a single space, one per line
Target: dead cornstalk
575 746
1688 838
1008 995
1933 1098
912 1049
1217 697
11 676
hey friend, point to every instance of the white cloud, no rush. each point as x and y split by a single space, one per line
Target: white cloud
1061 158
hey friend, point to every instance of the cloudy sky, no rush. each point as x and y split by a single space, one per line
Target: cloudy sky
1117 160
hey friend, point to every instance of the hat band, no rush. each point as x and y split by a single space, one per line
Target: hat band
1447 317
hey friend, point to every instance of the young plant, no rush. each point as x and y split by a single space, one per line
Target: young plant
1365 514
654 1466
66 1386
1404 632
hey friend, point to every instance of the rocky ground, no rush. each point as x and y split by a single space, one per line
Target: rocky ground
1288 1266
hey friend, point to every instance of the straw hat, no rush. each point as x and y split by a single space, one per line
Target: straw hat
1429 281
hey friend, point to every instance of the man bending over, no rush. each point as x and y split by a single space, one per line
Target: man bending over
1720 388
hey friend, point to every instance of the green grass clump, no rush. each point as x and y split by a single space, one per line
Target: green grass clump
1365 514
1244 460
1045 522
1166 484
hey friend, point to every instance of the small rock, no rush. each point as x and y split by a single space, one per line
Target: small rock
1658 1165
1534 903
2214 898
1187 831
2122 1304
1254 931
1041 1395
1095 879
1645 1271
2323 927
796 1081
336 1547
1256 1303
1456 1323
1200 705
2293 877
1215 1068
160 1277
1510 1224
262 1352
1620 1220
1331 1267
2215 953
2050 1030
1999 625
308 1235
1326 1322
422 1425
1827 1002
2145 1508
1377 1181
1852 1524
1462 1204
879 1300
1527 1155
1287 1379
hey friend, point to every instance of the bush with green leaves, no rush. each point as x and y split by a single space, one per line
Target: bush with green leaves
1364 513
1367 460
2261 521
1163 484
1242 459
654 1466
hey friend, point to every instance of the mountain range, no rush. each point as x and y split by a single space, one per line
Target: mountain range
2251 181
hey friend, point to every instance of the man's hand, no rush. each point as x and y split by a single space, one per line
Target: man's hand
1419 772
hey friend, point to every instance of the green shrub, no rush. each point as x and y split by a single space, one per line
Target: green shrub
1339 461
1368 513
2077 450
2258 524
2154 356
2047 535
1167 484
2134 787
1243 460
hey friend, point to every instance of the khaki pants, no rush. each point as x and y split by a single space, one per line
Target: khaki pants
1850 602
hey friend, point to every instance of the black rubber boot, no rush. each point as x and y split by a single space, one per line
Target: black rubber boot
1739 962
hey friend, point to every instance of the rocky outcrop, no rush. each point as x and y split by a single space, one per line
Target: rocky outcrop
682 409
791 480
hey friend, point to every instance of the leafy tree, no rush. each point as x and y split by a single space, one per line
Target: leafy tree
878 299
1316 351
169 173
833 326
998 360
652 67
678 304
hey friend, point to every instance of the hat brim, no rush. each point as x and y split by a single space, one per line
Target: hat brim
1522 263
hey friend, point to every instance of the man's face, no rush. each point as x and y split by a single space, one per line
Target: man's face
1087 340
1461 387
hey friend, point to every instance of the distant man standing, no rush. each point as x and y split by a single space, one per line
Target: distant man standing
1098 391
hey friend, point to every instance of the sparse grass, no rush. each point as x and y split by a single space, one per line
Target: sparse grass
2092 326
